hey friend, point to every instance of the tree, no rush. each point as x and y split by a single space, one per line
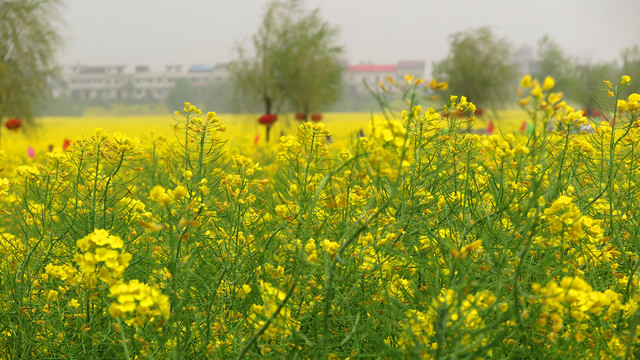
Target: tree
587 88
28 42
553 62
181 93
217 95
631 67
311 67
480 67
295 61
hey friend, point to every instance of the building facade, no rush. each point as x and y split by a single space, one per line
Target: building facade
118 82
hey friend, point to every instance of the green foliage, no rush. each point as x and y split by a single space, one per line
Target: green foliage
480 66
354 100
182 92
631 67
28 41
588 83
216 95
219 96
418 241
295 61
580 81
553 62
62 106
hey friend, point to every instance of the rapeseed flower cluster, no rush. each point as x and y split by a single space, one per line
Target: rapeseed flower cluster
138 303
102 257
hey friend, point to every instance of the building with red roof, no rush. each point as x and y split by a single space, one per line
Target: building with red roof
372 73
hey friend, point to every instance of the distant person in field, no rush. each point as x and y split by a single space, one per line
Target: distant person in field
329 139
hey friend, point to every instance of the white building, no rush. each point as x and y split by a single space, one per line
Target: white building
117 82
114 82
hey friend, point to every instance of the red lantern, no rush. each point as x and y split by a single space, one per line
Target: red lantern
65 144
316 117
478 112
267 119
301 116
13 123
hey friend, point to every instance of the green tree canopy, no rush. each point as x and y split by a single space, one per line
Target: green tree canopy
587 88
295 61
631 67
480 67
28 42
179 94
216 95
553 62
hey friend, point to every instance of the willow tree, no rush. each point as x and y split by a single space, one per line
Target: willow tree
294 61
480 67
28 42
311 66
570 77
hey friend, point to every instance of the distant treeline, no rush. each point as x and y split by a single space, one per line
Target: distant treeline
479 66
218 97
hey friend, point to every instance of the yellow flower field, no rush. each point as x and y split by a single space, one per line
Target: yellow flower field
421 239
241 128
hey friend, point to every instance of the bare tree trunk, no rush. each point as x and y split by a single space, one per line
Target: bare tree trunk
267 101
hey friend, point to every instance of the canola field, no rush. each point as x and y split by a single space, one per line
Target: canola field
419 239
240 128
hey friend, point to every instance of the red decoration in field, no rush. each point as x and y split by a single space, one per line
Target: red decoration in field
301 116
490 127
316 117
13 123
478 112
65 144
267 119
523 127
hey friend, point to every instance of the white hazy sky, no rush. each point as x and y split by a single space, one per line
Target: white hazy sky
159 32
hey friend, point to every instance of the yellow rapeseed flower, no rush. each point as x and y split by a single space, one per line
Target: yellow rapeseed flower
159 195
548 83
52 295
180 192
138 303
409 79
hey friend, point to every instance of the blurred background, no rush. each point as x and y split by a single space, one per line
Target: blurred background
140 57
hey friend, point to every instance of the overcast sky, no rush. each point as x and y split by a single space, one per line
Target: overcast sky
159 32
